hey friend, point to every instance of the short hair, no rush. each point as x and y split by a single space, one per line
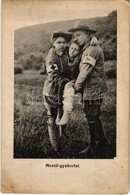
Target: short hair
76 44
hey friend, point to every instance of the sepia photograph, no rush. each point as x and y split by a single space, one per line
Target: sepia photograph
65 96
65 88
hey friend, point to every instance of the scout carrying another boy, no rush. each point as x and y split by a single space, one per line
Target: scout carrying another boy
56 66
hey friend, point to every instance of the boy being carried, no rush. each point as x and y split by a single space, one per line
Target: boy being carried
66 87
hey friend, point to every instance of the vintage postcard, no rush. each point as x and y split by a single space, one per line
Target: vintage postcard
65 96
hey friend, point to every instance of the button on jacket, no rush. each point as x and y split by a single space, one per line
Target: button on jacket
92 76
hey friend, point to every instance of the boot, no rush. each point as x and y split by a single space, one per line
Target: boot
54 137
92 149
87 150
102 137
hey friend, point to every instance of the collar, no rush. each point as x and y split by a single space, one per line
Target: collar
59 53
87 45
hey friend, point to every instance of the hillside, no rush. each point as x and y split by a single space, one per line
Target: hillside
32 42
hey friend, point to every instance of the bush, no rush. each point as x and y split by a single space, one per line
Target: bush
107 36
26 62
18 70
32 60
110 54
18 53
114 40
110 69
110 51
111 73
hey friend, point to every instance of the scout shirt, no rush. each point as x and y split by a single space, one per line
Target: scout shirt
92 76
56 66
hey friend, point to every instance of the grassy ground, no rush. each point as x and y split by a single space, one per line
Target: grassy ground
30 130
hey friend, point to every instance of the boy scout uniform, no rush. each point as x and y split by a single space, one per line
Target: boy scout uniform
93 81
56 66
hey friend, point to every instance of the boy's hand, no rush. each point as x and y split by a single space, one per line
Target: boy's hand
94 41
79 97
77 87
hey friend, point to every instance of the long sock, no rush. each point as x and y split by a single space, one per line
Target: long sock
54 136
101 132
93 132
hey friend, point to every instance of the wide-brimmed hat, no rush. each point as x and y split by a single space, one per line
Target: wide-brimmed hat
81 25
60 33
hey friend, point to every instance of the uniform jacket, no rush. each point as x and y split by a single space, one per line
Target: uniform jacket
59 66
92 77
56 66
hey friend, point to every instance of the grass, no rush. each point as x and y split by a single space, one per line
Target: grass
30 121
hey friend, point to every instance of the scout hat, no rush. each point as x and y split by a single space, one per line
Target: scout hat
60 33
81 25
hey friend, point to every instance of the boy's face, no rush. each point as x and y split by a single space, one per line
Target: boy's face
60 44
73 50
81 37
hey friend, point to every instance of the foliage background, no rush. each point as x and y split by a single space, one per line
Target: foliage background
31 43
